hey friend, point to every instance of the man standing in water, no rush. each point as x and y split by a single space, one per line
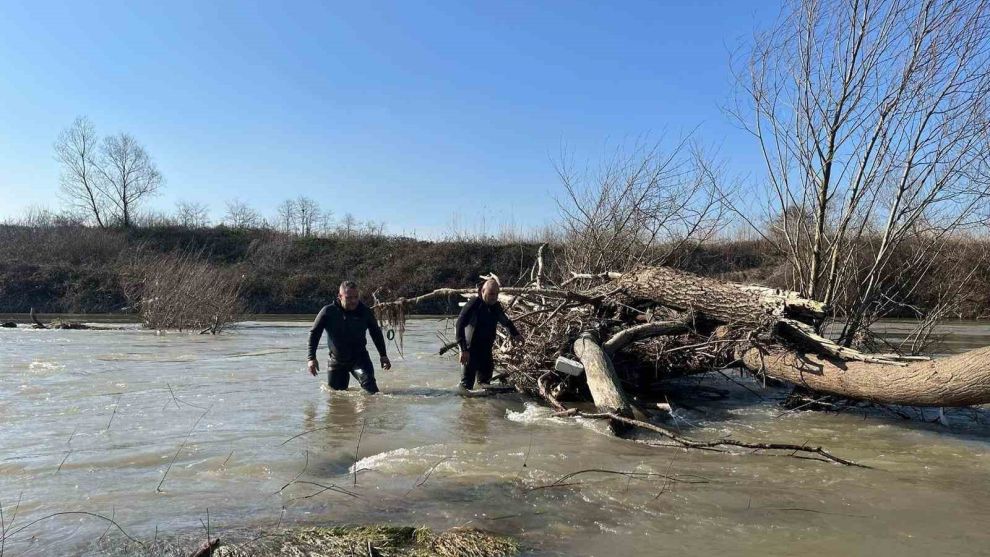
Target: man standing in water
346 321
476 335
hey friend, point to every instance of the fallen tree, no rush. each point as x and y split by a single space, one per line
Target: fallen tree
635 330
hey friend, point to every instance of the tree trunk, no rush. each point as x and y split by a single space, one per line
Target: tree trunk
722 301
960 380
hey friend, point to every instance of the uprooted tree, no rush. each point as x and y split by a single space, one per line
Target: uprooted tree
633 331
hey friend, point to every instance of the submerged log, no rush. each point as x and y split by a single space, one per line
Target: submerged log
960 380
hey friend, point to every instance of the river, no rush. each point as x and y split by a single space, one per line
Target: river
92 421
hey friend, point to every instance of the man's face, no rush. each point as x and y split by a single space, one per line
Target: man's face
489 292
349 298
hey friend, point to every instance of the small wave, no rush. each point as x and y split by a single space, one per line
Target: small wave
398 457
535 414
532 414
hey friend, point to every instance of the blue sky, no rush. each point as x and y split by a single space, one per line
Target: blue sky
406 112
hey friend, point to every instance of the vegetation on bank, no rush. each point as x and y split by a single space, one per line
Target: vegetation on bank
80 269
85 269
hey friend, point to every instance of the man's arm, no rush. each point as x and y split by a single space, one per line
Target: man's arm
463 320
506 322
376 334
316 333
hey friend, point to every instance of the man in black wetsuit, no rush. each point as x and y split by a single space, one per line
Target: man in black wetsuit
476 335
346 321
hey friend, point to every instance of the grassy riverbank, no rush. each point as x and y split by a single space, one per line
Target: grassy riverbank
71 269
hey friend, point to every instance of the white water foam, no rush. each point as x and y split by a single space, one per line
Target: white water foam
396 458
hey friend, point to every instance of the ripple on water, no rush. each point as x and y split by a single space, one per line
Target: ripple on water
45 367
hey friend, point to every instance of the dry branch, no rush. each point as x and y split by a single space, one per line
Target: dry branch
628 336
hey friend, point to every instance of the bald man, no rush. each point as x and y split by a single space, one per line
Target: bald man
346 322
476 335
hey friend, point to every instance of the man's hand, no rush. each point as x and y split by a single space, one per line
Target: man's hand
313 367
386 363
465 357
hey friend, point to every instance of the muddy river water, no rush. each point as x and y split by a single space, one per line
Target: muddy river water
157 431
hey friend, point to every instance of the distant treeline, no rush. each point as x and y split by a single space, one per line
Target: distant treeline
76 269
79 269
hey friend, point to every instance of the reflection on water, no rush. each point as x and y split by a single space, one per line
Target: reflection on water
91 421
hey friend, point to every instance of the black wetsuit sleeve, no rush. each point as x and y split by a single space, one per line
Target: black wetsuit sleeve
376 334
463 320
316 333
506 322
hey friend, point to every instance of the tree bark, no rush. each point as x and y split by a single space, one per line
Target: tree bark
721 301
960 380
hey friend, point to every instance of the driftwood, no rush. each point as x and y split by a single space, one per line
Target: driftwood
56 324
37 324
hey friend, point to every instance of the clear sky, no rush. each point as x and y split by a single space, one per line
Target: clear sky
405 112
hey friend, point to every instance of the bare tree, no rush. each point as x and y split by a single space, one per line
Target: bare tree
192 214
872 120
308 215
326 222
76 150
643 205
374 229
128 175
286 216
347 225
240 215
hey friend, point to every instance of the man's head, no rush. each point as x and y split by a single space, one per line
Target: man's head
349 295
489 291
